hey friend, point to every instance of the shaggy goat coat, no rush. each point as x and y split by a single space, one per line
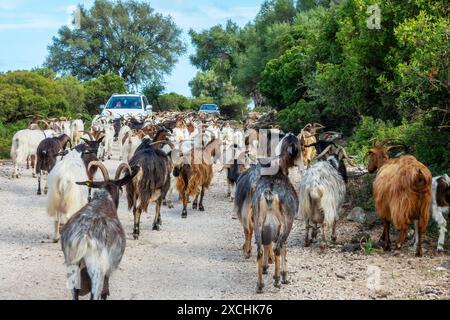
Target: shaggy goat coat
402 192
322 192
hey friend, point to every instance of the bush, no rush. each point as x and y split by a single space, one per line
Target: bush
172 102
427 144
293 119
99 90
233 107
24 93
7 131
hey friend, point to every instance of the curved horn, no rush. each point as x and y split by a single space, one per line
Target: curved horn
44 122
307 126
324 152
65 144
102 168
163 142
318 125
88 133
120 168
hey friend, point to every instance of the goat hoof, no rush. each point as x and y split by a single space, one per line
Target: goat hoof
419 253
45 191
156 227
39 192
201 208
259 288
109 157
264 269
170 206
55 240
135 236
164 203
334 239
277 283
247 255
194 207
34 175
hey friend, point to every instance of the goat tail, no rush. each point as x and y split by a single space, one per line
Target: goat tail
311 205
15 148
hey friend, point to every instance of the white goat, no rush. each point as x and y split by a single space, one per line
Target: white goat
24 145
64 197
321 194
75 131
105 149
120 138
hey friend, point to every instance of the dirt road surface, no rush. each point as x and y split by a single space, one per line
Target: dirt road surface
200 257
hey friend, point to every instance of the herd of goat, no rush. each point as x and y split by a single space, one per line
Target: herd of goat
168 152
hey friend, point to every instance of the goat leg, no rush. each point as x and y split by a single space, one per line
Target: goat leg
137 218
46 183
184 198
157 220
195 203
308 227
105 291
284 279
200 206
401 238
385 236
333 232
260 283
266 255
276 276
75 294
56 236
39 192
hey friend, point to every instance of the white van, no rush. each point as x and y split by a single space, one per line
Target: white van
127 104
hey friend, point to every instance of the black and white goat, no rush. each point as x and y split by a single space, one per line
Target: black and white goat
47 153
321 193
275 204
93 240
288 154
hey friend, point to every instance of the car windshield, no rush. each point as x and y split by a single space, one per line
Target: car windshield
124 103
209 107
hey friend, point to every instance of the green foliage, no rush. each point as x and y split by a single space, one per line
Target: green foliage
99 90
127 38
6 133
233 107
195 103
295 118
75 93
152 91
427 144
368 246
24 93
172 102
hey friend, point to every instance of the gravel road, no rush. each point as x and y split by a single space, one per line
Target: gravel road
200 257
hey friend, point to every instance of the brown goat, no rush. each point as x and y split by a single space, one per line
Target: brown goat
402 193
195 174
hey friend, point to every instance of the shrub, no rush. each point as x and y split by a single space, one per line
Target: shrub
233 107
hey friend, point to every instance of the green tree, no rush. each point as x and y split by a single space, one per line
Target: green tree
75 93
127 38
24 93
173 102
99 90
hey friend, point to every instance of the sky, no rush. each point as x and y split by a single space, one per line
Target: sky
27 28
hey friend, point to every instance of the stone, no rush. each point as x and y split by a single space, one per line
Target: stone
357 214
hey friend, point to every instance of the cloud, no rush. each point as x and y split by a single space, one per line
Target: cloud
10 5
33 23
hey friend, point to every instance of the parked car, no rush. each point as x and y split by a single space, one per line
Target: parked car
210 108
123 104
